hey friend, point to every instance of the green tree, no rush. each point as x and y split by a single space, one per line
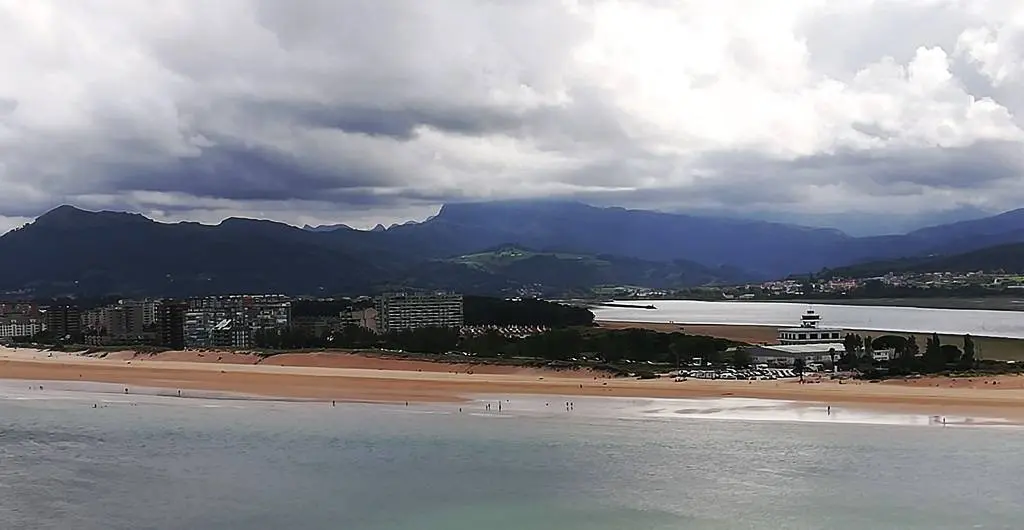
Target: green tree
741 358
934 358
852 343
951 354
968 360
911 349
895 342
798 366
849 361
677 349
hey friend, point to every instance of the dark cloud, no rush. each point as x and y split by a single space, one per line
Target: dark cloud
329 110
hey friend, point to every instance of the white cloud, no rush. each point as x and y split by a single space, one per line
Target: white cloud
333 110
997 51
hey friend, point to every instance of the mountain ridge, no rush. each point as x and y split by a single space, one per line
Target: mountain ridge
120 251
1006 258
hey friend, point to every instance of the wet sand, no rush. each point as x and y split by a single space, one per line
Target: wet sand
349 377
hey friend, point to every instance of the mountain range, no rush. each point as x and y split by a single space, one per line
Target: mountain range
474 247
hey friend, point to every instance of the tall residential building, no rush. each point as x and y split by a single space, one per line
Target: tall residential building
406 311
217 320
64 321
127 320
170 319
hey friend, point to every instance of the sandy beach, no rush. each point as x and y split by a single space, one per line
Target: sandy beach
353 377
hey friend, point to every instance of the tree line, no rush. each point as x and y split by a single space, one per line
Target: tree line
908 359
477 311
571 344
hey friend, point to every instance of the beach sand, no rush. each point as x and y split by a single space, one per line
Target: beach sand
352 377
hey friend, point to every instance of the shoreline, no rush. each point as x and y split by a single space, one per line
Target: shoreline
309 379
993 303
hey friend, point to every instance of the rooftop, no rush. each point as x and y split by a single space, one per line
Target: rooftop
806 348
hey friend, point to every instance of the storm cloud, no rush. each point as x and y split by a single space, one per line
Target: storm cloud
366 111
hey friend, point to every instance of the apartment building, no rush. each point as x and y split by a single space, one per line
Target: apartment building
170 321
127 320
64 321
20 326
406 311
232 321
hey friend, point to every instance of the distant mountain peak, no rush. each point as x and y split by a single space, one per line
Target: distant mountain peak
71 216
326 228
378 228
64 211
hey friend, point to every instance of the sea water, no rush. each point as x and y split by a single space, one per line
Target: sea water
888 318
146 462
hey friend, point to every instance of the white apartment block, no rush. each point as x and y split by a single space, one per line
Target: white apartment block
406 311
15 328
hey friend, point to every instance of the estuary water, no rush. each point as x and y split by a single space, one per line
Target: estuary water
886 318
145 462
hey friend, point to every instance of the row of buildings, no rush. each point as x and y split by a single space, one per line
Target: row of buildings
236 321
233 321
29 320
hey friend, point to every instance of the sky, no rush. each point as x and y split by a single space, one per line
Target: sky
871 115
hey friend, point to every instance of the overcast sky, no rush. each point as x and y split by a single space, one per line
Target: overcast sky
871 114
